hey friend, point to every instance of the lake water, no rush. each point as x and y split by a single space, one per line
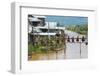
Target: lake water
72 51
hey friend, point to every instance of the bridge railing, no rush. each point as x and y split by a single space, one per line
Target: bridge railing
73 39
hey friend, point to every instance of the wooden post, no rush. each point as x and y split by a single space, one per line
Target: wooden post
80 49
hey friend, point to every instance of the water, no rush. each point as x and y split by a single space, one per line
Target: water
72 51
48 56
76 51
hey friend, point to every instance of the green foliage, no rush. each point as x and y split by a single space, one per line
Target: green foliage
45 44
81 29
35 48
30 48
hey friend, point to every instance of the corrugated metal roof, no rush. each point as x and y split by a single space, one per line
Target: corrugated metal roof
40 16
34 19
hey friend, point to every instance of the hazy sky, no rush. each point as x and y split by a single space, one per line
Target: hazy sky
68 20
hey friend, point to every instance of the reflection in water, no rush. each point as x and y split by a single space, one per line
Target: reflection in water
72 51
48 56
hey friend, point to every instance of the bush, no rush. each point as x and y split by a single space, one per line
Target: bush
36 49
81 29
45 45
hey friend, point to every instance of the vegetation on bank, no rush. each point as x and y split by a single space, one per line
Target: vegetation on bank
45 44
81 29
